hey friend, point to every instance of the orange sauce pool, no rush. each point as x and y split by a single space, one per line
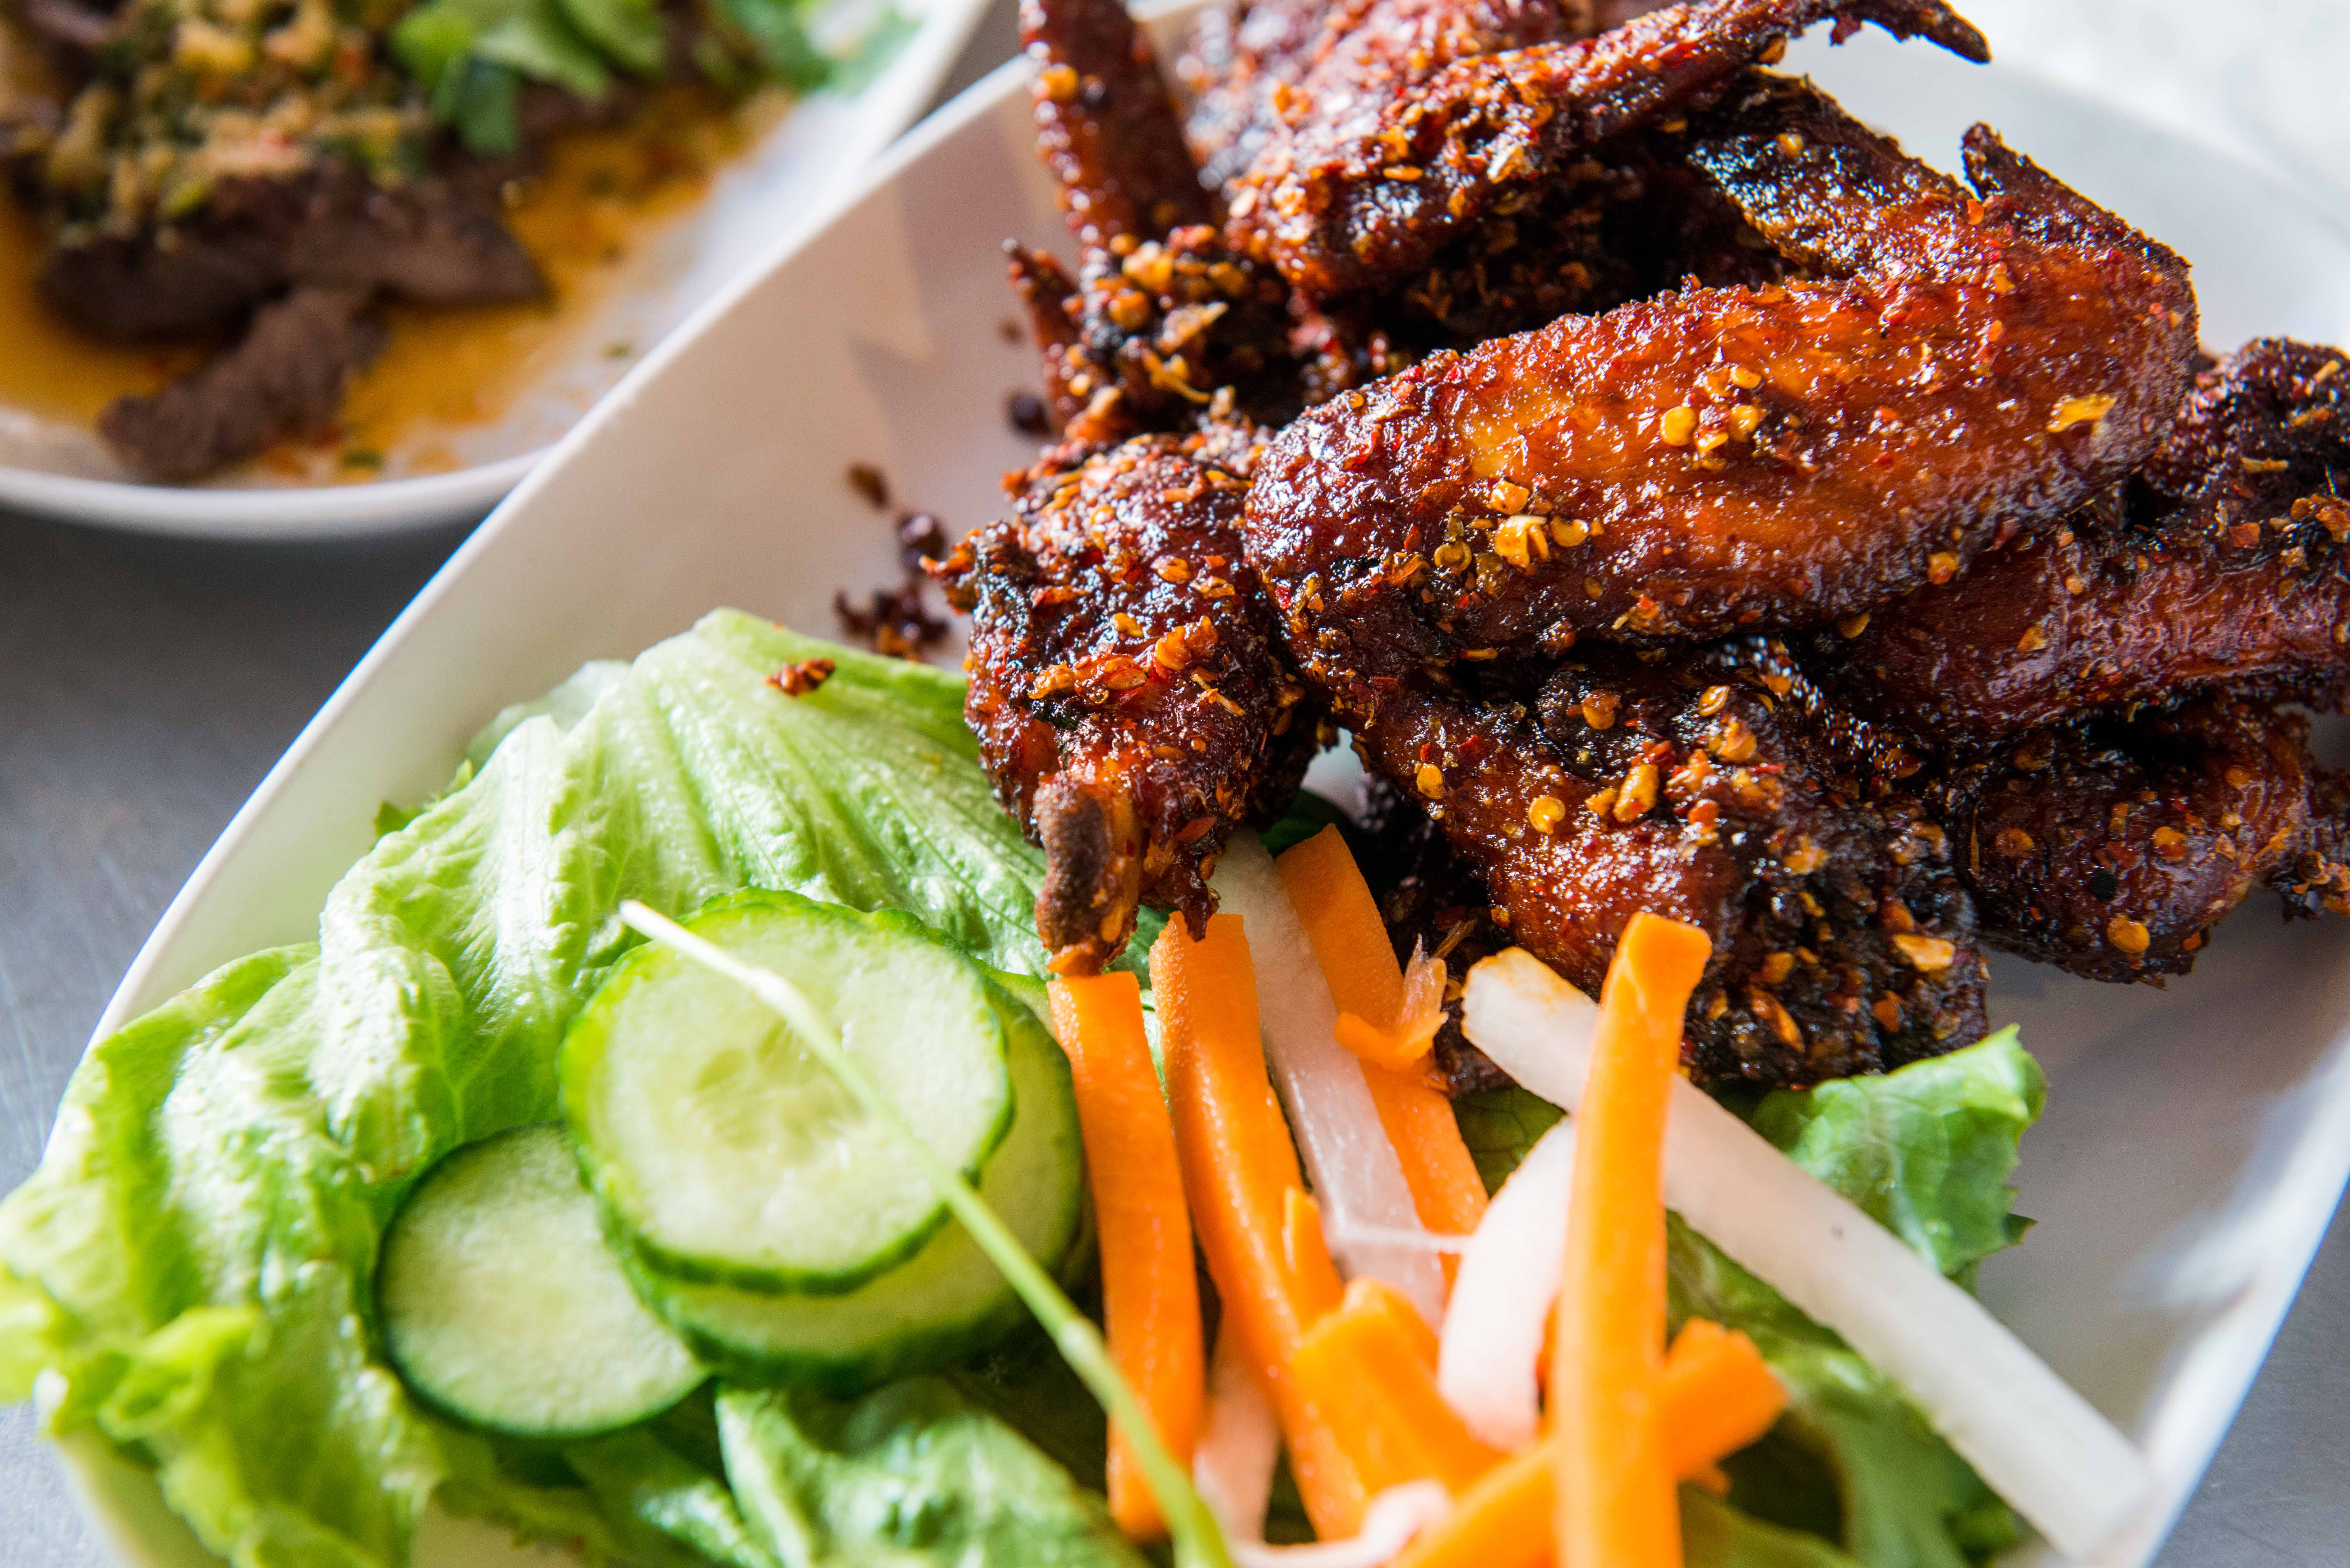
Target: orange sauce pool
600 196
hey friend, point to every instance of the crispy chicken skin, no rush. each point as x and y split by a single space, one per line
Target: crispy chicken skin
1369 175
2111 846
1128 685
1843 943
1105 125
1162 314
2221 561
1146 341
1720 458
1254 74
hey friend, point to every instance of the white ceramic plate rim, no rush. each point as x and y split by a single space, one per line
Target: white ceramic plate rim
2211 1382
884 108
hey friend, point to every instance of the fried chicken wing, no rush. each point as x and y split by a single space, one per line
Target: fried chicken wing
1127 687
2220 562
1843 941
1720 458
1254 75
1372 169
1105 125
2110 847
1159 336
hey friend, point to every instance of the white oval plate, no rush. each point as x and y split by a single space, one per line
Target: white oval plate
757 205
2196 1138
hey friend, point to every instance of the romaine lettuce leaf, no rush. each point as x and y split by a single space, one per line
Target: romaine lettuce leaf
188 1273
907 1476
1500 1126
1926 1150
1716 1535
1898 1497
454 954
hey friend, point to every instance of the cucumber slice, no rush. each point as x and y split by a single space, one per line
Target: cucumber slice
949 1302
503 1307
724 1154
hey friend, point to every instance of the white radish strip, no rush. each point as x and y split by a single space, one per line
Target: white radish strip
1384 1236
2036 1442
1389 1523
1489 1360
1238 1445
1357 1179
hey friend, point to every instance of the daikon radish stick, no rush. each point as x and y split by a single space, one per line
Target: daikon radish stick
1386 1017
1239 1446
1389 1523
1150 1292
2037 1443
1356 1173
1489 1362
1617 1499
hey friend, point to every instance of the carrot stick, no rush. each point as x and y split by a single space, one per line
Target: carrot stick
1380 1019
1150 1294
1265 1253
1350 941
1718 1396
1446 1190
1370 1367
1617 1507
1506 1521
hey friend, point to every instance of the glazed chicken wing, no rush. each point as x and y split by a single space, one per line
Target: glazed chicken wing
2111 846
1126 684
1105 125
1843 943
1255 72
2220 562
1373 170
1719 458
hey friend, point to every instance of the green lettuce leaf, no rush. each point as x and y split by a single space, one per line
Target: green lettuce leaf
1894 1494
190 1272
666 1509
906 1476
1500 1126
1716 1535
1926 1150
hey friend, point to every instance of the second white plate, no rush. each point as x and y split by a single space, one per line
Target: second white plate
756 205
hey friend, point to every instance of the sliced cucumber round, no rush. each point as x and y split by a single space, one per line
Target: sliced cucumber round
503 1307
725 1154
948 1301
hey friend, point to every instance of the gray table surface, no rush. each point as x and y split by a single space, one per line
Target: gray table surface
146 686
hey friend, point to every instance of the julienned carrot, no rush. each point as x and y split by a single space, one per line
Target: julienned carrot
1718 1396
1150 1294
1446 1190
1314 1282
1615 1496
1372 1367
1505 1520
1264 1250
1380 1019
1350 941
